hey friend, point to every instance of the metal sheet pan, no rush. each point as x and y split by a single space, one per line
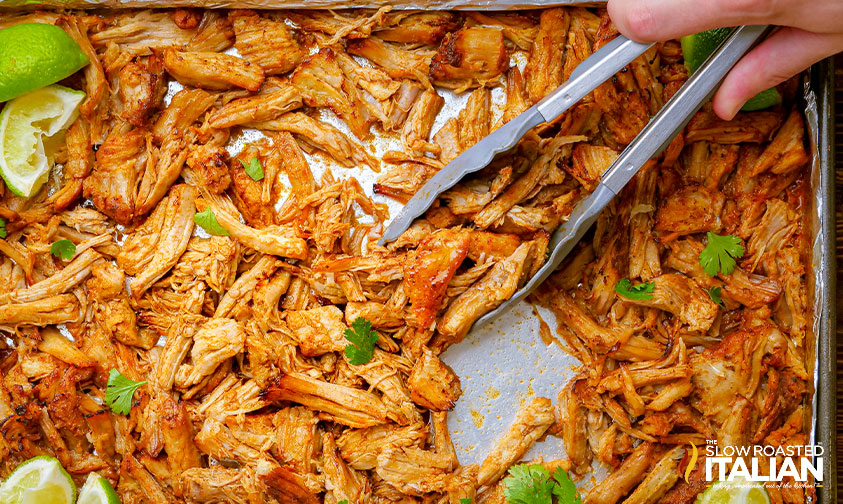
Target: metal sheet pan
294 4
505 363
821 86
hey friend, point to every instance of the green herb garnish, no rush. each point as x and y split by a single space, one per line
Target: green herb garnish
362 339
253 169
720 254
638 292
714 294
208 221
533 484
119 392
64 249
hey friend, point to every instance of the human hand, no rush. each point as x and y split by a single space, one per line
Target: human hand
811 30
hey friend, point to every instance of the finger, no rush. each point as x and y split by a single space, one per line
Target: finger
657 20
782 55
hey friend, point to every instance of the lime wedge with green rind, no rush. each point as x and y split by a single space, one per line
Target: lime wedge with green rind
765 99
736 491
696 49
29 125
35 55
39 480
97 490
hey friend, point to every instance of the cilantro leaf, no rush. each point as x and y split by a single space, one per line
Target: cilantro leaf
2 228
362 339
63 248
344 501
208 221
714 294
465 500
639 292
528 484
253 169
720 254
119 392
565 490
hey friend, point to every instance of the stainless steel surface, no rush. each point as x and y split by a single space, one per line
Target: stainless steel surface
589 74
473 159
651 141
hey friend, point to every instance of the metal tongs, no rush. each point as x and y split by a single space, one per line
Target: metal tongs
650 142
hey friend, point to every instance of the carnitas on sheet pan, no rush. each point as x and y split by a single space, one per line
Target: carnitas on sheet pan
241 336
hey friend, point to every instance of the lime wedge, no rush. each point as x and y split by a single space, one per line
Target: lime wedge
34 55
697 47
27 124
97 490
736 491
765 99
39 480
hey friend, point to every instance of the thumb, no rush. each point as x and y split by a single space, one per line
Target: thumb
658 20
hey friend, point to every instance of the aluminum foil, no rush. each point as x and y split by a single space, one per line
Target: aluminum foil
503 364
482 5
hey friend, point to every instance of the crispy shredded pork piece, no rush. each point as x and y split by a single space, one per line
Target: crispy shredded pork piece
62 281
747 127
142 89
692 209
493 288
318 330
398 63
416 131
343 482
272 239
345 405
269 44
165 252
213 343
321 135
412 470
530 423
787 150
418 27
186 107
469 56
475 118
274 99
113 182
214 33
543 72
433 384
430 269
78 166
321 83
221 484
624 478
555 149
210 70
95 80
57 309
589 162
360 447
682 297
